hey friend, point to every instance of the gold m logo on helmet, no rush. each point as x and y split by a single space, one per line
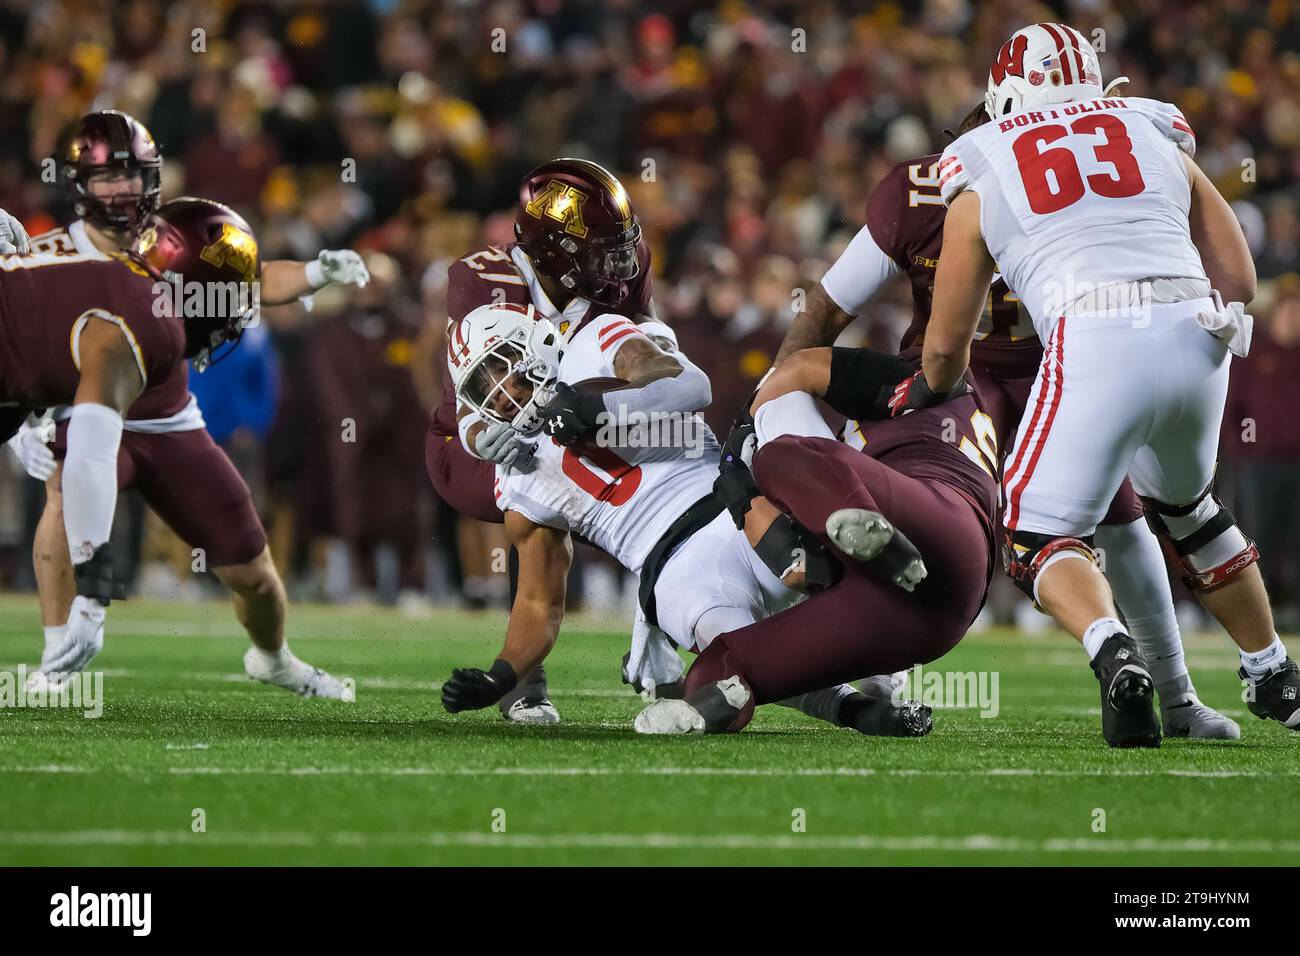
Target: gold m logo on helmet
235 248
563 203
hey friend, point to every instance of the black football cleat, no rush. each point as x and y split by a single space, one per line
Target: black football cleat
1128 715
1277 696
882 717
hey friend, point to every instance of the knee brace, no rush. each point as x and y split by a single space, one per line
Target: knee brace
1027 554
1203 538
787 546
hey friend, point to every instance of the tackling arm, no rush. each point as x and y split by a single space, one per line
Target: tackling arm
961 286
819 324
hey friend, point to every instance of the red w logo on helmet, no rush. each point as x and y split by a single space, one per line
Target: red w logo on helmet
1010 59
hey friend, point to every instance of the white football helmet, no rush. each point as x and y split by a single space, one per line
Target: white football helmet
505 361
1043 64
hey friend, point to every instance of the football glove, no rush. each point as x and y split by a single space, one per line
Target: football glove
81 642
472 689
735 485
914 393
29 444
497 442
570 414
343 266
13 237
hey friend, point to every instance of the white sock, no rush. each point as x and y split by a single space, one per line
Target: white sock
1135 568
54 634
274 659
1258 664
1097 632
794 413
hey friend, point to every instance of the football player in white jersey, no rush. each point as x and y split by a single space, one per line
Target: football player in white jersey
640 489
1123 253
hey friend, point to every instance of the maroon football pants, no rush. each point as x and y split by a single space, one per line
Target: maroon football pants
863 625
190 483
463 481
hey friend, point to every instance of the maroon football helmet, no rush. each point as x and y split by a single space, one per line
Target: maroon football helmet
208 255
111 142
576 223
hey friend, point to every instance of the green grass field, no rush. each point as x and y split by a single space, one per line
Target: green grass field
392 779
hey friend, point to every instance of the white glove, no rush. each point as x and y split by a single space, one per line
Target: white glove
30 445
83 640
13 237
500 443
343 266
1230 324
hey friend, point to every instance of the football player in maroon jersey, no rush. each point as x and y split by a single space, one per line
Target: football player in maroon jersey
99 334
111 167
910 518
579 254
902 236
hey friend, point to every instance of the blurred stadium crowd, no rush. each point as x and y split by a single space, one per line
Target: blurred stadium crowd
748 133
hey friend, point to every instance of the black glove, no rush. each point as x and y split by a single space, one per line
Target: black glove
95 578
570 414
915 393
735 485
474 689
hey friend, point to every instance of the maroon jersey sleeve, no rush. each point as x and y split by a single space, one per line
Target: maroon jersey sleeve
46 303
484 277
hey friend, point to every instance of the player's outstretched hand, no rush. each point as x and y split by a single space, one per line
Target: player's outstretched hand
571 414
914 393
29 444
13 237
472 689
343 266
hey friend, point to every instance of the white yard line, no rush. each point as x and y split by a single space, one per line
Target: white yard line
977 843
774 772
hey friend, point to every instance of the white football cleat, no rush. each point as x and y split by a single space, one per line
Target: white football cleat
669 717
1198 721
868 537
534 711
297 676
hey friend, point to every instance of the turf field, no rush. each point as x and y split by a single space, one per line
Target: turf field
392 779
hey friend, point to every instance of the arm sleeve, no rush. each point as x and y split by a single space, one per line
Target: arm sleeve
860 272
90 478
871 259
862 381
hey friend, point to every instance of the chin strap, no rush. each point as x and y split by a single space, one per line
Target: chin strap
1118 81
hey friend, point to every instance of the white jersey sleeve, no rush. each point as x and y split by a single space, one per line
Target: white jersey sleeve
953 174
860 272
1168 120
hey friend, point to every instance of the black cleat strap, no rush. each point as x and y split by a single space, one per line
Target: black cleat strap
94 578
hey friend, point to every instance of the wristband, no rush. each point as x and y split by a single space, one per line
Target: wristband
315 274
503 675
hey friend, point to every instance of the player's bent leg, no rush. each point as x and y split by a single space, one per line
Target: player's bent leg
1135 568
1061 575
1220 565
260 603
